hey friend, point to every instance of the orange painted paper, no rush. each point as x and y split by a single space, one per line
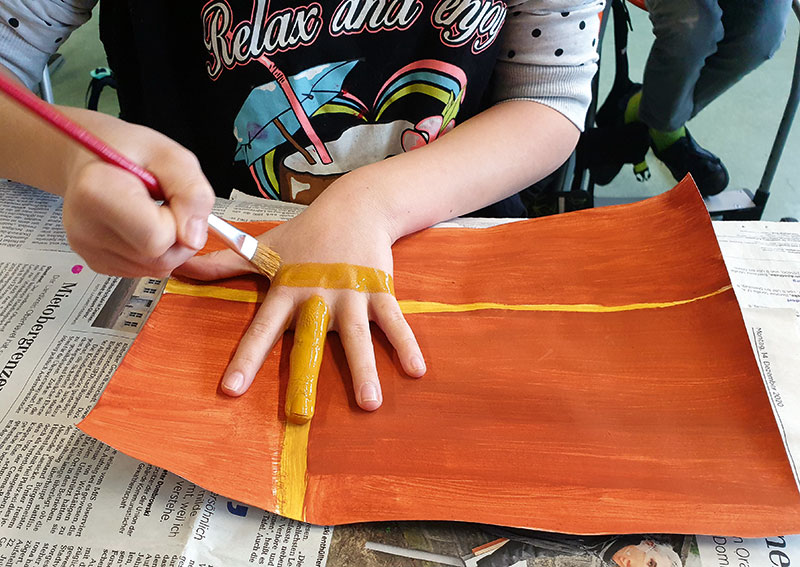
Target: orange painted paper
646 420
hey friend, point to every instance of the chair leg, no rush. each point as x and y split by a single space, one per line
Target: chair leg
789 112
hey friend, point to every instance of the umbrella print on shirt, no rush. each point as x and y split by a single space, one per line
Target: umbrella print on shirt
267 120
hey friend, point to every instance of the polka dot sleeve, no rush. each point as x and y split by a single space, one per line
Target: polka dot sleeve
549 54
31 31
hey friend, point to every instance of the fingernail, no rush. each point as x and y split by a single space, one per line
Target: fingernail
196 233
417 364
369 394
233 382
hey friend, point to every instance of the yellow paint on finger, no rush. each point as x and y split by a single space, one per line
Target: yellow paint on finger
335 276
293 474
311 328
301 394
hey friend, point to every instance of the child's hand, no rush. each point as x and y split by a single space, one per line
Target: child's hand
110 218
325 241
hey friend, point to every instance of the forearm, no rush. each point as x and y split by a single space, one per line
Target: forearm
32 151
108 214
487 158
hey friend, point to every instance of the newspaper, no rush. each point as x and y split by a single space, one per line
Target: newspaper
763 260
65 498
719 551
487 546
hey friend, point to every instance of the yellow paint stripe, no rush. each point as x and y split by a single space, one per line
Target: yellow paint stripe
214 291
410 306
293 473
335 276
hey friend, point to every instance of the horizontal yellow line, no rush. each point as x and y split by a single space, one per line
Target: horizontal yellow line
215 291
410 306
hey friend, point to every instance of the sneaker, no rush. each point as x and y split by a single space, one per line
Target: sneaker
686 156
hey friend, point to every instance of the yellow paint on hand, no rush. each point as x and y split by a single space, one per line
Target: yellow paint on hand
311 329
335 276
293 474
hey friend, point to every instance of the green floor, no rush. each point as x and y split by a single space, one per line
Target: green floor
739 126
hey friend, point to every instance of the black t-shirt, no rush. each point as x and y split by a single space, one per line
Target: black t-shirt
279 98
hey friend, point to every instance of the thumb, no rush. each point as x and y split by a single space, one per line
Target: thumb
215 266
188 193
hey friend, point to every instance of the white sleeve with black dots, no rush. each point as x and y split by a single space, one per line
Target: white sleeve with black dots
549 54
31 31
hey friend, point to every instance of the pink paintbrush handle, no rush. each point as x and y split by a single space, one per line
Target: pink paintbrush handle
79 134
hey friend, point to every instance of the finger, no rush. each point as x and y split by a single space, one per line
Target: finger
188 193
310 331
114 264
386 312
128 263
270 322
215 266
353 328
107 199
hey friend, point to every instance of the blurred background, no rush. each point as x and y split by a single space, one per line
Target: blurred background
739 127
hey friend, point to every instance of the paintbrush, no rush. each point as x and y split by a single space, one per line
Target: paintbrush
263 258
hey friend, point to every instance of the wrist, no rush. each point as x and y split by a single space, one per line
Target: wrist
73 156
362 198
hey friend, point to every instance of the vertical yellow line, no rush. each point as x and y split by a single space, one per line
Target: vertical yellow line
293 473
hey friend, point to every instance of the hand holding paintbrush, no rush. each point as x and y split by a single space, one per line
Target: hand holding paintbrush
265 260
307 353
126 233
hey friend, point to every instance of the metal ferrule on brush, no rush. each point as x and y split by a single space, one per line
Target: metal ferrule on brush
244 244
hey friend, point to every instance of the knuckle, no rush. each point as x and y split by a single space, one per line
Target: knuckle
396 320
409 343
260 330
204 196
155 243
365 371
356 331
282 293
181 157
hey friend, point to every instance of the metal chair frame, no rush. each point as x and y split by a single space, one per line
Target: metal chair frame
751 206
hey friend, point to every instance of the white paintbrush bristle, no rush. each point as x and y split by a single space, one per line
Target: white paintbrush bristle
266 260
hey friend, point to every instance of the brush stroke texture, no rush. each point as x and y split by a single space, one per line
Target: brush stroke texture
651 420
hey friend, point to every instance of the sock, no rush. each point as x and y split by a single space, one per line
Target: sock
632 109
662 140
